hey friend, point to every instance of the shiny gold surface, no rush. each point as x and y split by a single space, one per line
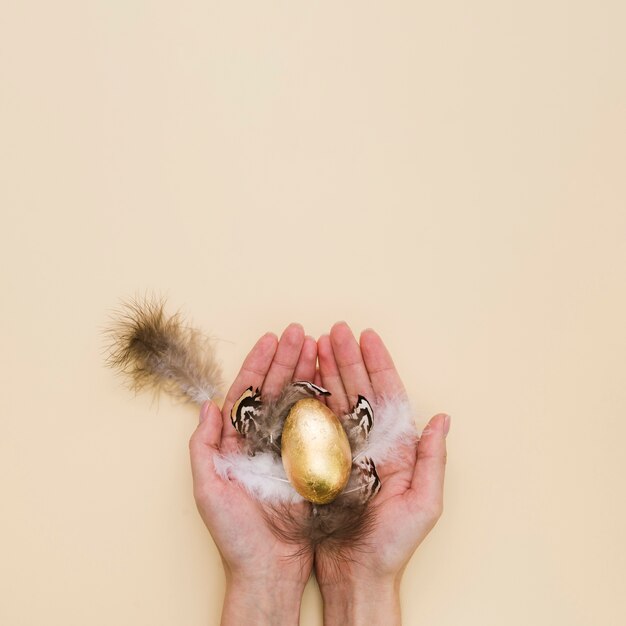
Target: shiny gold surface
315 451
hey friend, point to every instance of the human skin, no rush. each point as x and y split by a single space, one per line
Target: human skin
264 581
364 586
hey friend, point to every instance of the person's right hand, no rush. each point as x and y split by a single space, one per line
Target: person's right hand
361 586
265 581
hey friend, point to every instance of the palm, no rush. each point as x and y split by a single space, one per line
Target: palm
409 501
243 538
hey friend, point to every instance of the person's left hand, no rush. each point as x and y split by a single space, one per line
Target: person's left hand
361 585
265 578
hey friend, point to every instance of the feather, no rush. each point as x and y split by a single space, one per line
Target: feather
262 475
269 416
393 424
333 528
162 352
247 411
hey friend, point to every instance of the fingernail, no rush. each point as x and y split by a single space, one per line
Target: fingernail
446 425
204 411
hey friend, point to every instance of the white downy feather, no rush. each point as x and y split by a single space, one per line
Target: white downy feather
393 424
262 475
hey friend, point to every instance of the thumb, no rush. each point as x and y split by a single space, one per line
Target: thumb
204 443
430 467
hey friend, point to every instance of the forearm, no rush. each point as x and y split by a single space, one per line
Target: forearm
261 602
365 602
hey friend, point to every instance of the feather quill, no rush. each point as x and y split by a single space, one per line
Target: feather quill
162 352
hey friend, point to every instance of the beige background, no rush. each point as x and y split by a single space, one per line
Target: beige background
451 174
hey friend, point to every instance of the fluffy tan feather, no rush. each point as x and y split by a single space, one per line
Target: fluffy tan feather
154 350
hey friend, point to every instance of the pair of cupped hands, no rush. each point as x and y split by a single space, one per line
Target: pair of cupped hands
265 577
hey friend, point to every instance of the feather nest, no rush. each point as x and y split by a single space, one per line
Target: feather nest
348 520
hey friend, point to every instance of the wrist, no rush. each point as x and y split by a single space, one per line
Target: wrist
262 599
362 601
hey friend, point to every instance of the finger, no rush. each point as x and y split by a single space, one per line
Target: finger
204 444
285 360
350 362
331 379
427 483
252 374
380 367
318 378
305 368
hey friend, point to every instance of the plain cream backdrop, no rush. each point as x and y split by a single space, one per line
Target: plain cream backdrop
451 174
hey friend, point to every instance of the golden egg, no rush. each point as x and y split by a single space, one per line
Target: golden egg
316 452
